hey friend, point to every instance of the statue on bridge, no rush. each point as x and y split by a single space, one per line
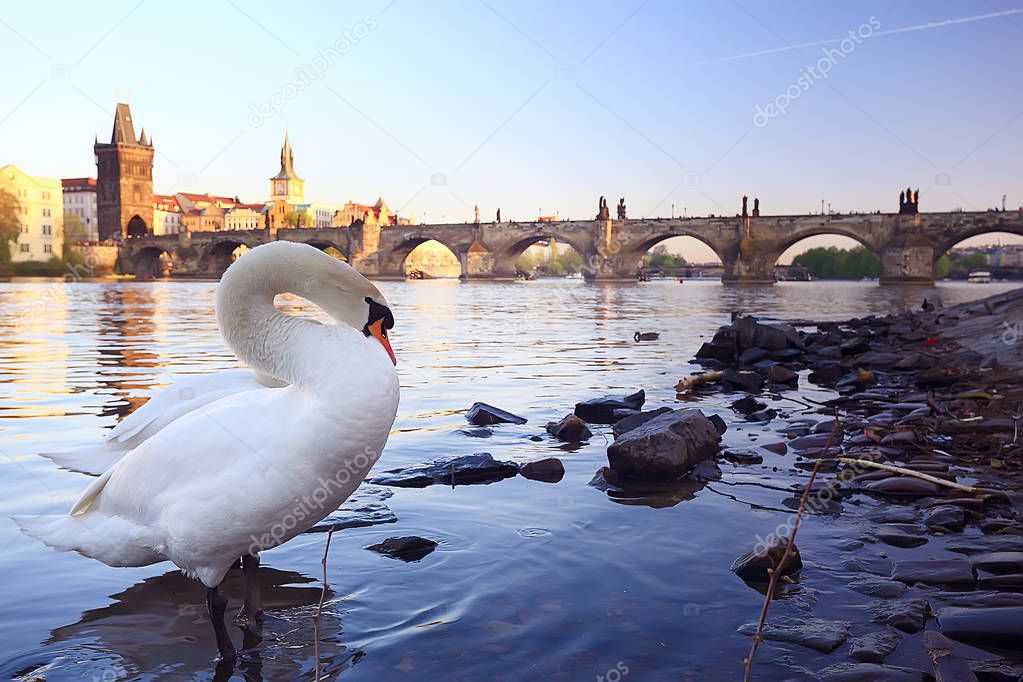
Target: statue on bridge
909 201
744 211
621 209
602 212
756 207
498 215
477 210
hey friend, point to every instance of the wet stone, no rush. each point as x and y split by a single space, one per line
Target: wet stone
633 421
547 470
871 672
571 429
815 633
753 565
601 410
934 572
999 562
904 485
748 405
778 374
467 469
776 448
735 379
908 615
878 587
900 538
407 548
1010 581
666 447
482 414
1002 626
742 457
980 600
874 647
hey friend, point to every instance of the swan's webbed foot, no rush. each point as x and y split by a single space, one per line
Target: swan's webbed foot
251 615
216 604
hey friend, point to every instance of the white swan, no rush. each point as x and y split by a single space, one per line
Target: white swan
251 470
178 399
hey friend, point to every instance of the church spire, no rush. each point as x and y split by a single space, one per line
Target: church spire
287 171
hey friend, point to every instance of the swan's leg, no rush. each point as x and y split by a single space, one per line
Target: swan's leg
252 606
216 604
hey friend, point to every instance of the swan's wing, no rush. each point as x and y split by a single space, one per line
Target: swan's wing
182 397
175 401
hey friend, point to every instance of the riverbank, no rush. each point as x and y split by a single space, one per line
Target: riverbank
921 465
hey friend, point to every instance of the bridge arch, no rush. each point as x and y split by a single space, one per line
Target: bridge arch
219 255
137 226
632 254
330 248
395 261
506 255
153 262
948 242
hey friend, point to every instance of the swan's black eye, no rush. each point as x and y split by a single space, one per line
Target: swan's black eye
378 312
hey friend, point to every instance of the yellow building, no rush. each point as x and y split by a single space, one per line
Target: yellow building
41 211
287 190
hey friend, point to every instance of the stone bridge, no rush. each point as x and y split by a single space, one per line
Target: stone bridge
907 245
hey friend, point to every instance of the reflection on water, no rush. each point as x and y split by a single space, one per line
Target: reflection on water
529 579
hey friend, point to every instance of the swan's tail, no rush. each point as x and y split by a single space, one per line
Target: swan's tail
113 541
92 460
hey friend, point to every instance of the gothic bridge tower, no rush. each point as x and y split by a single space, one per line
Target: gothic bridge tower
124 180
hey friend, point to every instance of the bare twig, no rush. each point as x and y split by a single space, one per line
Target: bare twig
914 474
319 609
777 571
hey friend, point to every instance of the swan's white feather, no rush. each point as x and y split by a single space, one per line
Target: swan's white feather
180 398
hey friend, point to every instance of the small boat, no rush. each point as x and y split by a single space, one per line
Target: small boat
979 277
646 336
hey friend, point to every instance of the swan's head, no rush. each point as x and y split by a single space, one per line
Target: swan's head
333 285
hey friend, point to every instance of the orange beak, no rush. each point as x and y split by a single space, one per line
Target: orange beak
378 332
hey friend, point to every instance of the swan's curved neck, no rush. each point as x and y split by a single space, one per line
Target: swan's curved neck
266 339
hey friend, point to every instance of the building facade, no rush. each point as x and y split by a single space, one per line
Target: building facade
80 200
167 215
124 173
41 212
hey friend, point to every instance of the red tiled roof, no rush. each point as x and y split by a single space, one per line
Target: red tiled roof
78 183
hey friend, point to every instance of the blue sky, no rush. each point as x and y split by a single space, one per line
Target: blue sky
533 106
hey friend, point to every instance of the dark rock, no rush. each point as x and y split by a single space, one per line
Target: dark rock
742 457
877 360
1009 581
779 374
406 548
748 405
874 647
734 379
762 416
478 432
601 410
945 518
878 587
621 413
482 414
715 351
467 469
908 615
988 627
948 665
980 600
903 485
786 354
938 377
719 424
666 447
826 374
753 334
548 470
571 429
753 566
657 495
776 448
987 543
356 513
893 515
934 572
899 538
751 355
999 562
819 440
870 672
854 346
629 423
815 633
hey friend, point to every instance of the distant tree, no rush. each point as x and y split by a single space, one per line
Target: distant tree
834 263
294 219
660 257
10 224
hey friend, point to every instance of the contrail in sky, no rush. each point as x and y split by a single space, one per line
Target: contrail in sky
905 29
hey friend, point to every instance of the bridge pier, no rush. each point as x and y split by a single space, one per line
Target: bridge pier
908 260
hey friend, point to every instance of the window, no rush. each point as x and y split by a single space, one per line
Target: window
47 248
47 229
24 248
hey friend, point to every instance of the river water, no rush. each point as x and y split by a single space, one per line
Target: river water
530 580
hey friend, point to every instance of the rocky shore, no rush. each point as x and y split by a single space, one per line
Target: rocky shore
913 422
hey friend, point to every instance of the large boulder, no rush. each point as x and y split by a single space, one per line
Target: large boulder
753 334
666 447
602 410
571 429
636 420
